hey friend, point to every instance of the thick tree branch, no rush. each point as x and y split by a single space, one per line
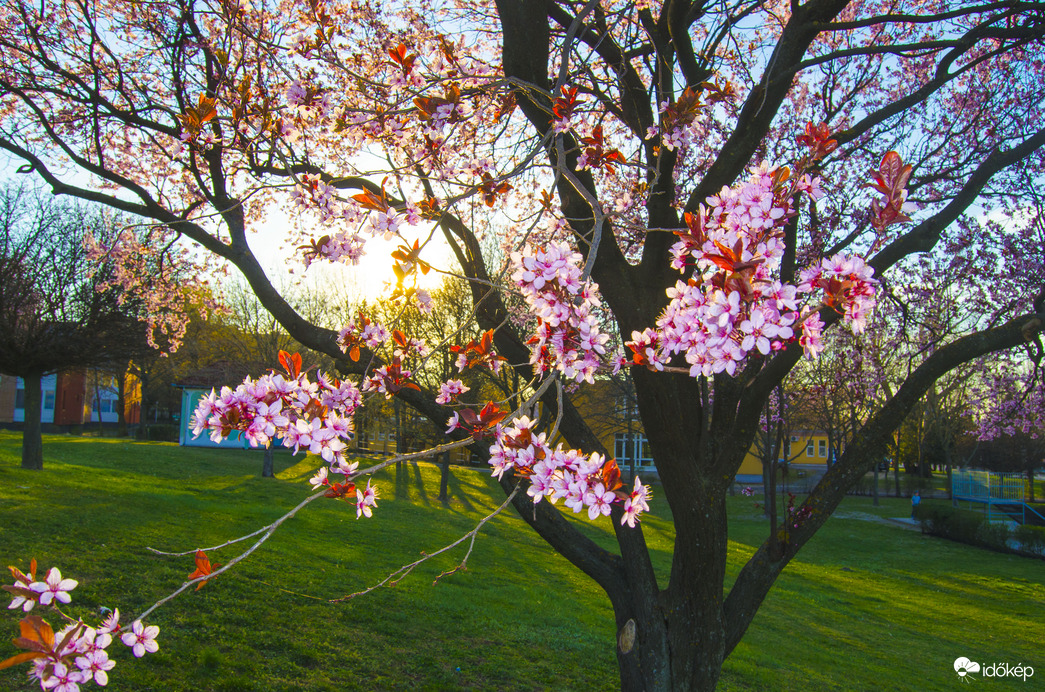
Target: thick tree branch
866 448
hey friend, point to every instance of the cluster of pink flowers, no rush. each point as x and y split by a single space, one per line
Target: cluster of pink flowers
315 416
344 247
450 390
76 654
314 194
362 331
579 480
146 272
384 223
387 379
847 284
567 337
732 305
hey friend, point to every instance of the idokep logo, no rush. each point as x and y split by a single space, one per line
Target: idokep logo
966 668
963 667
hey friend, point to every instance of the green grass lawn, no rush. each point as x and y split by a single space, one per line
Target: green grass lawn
867 605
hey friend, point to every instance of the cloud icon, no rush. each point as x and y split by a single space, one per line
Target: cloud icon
964 666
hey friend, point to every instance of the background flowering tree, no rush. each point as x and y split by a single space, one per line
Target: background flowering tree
55 313
715 183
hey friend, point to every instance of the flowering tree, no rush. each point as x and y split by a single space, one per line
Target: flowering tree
695 191
51 316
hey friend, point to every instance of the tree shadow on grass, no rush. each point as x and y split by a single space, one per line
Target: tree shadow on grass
420 483
402 482
407 488
456 494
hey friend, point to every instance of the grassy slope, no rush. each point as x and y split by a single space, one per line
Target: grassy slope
867 605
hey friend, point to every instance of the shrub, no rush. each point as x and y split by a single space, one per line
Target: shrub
965 526
942 520
994 535
1031 539
160 433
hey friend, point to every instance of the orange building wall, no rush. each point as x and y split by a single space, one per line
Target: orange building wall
132 408
68 398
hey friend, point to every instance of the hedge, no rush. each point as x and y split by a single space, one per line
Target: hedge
966 526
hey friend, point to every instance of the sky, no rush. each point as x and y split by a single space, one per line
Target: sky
370 279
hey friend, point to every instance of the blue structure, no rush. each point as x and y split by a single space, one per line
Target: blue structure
198 385
1003 495
190 399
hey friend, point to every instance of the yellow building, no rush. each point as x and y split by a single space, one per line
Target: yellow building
610 410
807 452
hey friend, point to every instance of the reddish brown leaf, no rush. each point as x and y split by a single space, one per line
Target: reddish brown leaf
21 658
23 591
290 363
371 201
37 635
399 56
611 475
341 491
203 568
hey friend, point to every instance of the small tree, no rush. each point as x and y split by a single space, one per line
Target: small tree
52 316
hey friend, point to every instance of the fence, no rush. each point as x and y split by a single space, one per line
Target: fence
983 486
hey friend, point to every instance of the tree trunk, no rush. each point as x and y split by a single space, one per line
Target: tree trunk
768 485
267 468
399 430
875 486
143 407
98 404
444 477
675 639
32 439
896 470
121 405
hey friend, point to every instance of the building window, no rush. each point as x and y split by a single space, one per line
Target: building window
626 407
620 445
823 448
636 446
49 401
810 450
19 398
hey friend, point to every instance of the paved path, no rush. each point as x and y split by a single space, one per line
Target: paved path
904 522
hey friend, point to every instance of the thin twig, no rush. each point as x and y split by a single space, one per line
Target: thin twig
268 531
398 575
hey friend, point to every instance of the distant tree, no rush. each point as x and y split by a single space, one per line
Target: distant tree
52 315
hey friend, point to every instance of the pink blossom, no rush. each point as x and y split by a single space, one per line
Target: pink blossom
598 500
812 339
96 664
54 588
62 679
320 479
366 500
141 639
111 624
